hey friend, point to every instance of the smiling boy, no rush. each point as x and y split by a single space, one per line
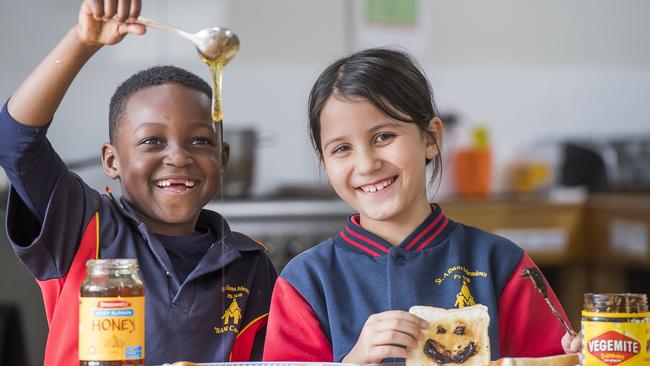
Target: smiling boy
169 162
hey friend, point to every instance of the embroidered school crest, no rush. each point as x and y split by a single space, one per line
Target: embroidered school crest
464 297
463 275
232 315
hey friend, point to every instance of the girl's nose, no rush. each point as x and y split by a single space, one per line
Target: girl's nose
178 156
366 161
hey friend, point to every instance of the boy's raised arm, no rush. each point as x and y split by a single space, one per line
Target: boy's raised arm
101 22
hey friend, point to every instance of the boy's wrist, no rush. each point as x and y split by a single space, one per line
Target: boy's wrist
84 44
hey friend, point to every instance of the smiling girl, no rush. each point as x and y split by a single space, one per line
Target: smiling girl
375 127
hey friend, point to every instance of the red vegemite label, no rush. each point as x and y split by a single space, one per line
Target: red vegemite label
613 347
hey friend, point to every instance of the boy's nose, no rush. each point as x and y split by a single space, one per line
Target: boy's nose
178 156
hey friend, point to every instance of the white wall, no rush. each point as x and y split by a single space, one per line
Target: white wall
528 70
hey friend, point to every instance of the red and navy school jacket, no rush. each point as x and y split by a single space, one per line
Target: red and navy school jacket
325 295
56 222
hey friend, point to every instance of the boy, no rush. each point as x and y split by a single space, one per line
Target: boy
207 288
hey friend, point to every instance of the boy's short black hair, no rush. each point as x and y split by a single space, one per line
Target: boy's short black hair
153 76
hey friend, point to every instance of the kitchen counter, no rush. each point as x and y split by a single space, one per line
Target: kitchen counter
235 210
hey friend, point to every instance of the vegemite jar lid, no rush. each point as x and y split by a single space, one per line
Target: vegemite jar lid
624 303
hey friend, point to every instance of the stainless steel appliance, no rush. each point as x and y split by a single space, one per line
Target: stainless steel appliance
619 164
286 227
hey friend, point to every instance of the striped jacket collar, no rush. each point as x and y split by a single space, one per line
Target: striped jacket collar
429 233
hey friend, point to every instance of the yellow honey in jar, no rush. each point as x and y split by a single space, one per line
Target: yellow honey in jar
616 330
111 314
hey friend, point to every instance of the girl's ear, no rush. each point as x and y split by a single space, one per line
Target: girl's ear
433 138
109 161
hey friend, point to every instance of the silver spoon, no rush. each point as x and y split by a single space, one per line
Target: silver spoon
216 44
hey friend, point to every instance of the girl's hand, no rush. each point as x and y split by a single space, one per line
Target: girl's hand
571 343
105 22
391 334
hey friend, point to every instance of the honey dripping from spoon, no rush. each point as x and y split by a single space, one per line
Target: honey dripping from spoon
222 45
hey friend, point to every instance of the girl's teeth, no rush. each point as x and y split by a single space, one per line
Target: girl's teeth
377 187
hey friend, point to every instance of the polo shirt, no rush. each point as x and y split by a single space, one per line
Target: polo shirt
330 290
56 222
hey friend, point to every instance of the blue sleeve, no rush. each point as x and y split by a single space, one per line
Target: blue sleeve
49 207
30 162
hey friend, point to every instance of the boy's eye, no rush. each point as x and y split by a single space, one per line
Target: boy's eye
382 137
151 141
201 141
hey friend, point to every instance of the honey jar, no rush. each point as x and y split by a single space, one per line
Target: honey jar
111 314
615 330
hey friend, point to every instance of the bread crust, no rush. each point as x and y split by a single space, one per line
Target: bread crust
561 360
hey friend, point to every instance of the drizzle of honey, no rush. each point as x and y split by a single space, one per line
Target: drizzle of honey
216 72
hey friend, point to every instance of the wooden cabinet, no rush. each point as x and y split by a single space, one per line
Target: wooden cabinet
549 232
589 246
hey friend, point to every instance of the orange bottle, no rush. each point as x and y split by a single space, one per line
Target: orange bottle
473 166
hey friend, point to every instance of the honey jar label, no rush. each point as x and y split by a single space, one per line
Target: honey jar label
111 328
615 343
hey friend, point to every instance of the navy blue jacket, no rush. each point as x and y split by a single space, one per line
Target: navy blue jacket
56 222
330 290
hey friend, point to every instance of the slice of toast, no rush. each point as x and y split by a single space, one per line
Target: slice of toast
454 337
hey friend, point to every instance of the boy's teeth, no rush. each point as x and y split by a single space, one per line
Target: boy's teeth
167 183
377 186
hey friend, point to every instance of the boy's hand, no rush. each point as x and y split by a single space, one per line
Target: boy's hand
391 334
105 22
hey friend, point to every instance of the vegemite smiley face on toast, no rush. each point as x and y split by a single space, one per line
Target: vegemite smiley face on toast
454 337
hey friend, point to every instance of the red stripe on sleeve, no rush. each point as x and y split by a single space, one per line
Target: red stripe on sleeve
61 299
294 332
527 326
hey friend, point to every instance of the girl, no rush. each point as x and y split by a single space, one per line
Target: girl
375 127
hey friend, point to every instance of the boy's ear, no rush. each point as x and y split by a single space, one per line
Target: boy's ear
225 155
434 138
109 161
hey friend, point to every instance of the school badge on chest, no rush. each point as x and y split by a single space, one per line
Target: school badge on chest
232 315
463 276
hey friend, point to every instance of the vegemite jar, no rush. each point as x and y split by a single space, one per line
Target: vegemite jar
111 314
615 330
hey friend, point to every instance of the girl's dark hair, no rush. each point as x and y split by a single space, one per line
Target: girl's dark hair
389 79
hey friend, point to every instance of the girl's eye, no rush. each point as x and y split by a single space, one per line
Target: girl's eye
382 137
151 141
341 149
201 141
